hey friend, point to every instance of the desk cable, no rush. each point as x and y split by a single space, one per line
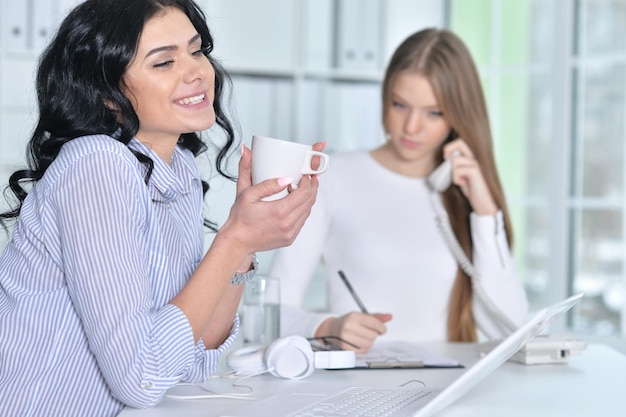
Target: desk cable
231 395
411 381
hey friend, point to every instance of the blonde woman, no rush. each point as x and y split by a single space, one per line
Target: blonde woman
375 218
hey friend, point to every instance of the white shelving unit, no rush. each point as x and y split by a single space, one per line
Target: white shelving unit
25 28
310 70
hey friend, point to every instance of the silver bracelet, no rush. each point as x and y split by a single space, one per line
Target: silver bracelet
243 277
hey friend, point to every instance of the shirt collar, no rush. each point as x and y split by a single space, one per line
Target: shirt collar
169 181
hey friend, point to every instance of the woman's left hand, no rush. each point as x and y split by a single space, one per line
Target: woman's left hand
466 174
244 180
265 225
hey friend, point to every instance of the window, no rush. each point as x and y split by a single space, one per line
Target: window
554 73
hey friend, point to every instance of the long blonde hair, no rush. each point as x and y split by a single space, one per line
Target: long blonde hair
442 57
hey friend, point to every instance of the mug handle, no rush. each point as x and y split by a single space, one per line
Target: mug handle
324 159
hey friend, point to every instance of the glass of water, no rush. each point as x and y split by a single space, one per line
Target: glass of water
260 318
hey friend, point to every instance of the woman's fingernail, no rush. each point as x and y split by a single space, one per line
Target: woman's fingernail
284 181
242 148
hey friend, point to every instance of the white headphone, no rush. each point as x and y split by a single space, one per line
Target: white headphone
289 357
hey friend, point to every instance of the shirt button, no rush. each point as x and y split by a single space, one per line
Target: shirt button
148 385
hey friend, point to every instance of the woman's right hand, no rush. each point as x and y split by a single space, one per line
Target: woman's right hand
359 329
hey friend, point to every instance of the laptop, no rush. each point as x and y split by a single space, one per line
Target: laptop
310 399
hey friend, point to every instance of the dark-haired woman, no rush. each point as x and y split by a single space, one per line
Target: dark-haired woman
107 297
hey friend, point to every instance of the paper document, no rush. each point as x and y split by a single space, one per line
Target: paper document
387 355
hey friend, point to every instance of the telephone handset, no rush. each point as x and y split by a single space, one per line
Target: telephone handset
440 180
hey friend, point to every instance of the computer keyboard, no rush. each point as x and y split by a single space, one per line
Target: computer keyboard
365 402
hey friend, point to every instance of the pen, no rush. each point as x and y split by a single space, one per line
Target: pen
356 297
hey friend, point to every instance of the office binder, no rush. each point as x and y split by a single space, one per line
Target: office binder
14 15
318 34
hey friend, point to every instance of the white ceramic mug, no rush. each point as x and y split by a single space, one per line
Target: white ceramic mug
275 158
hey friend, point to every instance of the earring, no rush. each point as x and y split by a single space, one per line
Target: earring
387 136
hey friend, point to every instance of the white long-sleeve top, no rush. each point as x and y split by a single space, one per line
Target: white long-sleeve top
380 228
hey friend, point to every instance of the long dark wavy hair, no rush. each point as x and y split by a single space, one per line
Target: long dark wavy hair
83 68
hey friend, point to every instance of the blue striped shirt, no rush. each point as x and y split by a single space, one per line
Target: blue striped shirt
85 324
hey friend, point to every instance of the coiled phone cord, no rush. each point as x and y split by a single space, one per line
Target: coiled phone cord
466 265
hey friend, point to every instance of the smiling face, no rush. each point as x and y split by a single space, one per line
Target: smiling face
170 82
416 123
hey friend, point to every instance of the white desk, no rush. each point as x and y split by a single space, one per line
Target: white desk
592 384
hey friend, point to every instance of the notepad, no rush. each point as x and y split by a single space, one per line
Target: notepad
388 355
